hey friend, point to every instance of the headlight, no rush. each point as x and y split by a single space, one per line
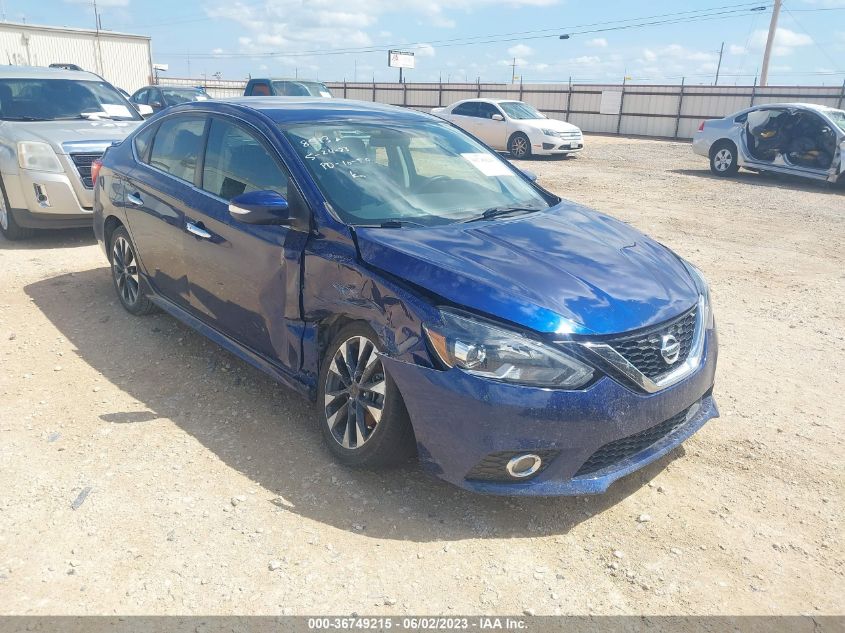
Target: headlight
551 133
499 354
38 157
703 291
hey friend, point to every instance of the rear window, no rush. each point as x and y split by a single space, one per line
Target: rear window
177 145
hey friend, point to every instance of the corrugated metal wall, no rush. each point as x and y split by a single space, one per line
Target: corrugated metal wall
662 111
123 60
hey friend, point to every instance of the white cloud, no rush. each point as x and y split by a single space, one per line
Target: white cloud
736 49
587 60
785 41
520 50
425 50
597 42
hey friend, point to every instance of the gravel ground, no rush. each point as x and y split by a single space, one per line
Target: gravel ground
144 470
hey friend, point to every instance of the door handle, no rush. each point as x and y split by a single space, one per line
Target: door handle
135 198
198 230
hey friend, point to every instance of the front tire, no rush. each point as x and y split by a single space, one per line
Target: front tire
10 229
519 146
126 276
723 159
362 416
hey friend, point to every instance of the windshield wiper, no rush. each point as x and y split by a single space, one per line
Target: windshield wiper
495 212
24 118
396 223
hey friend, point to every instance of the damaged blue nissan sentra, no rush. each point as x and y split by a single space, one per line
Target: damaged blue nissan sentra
432 298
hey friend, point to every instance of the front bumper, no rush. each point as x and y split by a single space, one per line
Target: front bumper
460 419
49 200
555 146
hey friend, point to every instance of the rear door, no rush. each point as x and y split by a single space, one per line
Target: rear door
244 279
465 116
158 191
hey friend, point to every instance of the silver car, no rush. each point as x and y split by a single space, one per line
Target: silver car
789 138
53 125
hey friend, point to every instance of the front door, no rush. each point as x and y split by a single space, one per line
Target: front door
244 279
157 192
493 132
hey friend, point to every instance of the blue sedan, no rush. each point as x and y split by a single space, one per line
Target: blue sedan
432 298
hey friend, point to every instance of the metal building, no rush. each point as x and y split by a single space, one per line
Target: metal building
122 59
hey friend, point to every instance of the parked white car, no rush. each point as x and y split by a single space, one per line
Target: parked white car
789 138
514 126
54 124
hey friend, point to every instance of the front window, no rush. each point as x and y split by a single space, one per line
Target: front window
426 173
175 96
301 89
62 99
838 117
520 111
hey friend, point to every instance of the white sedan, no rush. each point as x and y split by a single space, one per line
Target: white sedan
513 126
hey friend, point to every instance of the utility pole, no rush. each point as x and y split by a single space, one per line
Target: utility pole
719 67
773 27
99 52
513 71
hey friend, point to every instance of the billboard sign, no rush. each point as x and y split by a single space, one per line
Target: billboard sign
400 59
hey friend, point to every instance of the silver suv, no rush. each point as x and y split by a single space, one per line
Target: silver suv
53 125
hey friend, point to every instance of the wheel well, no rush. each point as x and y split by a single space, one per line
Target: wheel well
111 225
722 143
327 330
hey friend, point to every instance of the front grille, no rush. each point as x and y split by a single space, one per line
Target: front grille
83 166
492 467
642 350
618 450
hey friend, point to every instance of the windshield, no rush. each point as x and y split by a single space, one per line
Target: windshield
301 88
62 99
520 110
174 96
838 117
426 173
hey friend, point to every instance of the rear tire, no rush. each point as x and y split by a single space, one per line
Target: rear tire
519 146
9 227
361 413
723 159
126 275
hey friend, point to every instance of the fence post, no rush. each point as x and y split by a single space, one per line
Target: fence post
520 88
841 97
440 94
569 98
374 89
478 86
405 94
344 87
754 91
621 105
680 105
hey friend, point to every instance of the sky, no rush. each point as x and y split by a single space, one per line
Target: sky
659 41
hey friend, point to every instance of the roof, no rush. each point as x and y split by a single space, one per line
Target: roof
806 106
304 109
19 26
303 80
33 72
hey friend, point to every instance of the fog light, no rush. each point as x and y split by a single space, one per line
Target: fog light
523 466
41 195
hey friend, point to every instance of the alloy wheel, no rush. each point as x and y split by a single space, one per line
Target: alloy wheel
519 147
723 159
4 214
355 392
125 270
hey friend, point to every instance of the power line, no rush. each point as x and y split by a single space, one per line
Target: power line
684 17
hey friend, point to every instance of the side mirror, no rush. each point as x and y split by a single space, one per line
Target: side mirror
156 105
144 110
497 117
528 174
260 207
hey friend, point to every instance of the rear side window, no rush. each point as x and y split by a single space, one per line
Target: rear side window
142 143
237 162
176 146
467 109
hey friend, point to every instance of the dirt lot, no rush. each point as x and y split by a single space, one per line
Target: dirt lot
204 475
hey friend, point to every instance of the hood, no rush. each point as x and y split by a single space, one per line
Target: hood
552 124
57 133
568 270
